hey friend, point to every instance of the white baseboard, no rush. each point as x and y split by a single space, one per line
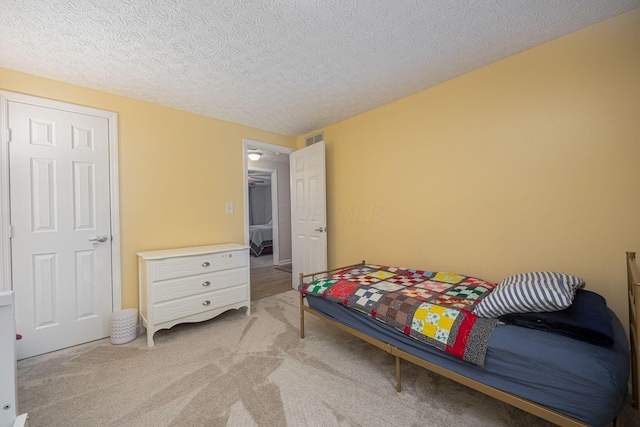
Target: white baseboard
285 261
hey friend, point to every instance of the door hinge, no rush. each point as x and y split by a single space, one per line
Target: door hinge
8 135
10 231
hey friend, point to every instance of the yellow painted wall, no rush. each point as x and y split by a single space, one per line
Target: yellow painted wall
177 171
530 163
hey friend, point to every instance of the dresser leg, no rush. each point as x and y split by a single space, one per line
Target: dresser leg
150 342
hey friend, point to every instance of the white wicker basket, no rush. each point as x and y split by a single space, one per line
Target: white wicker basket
124 326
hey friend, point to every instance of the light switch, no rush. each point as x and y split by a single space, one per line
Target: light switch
229 207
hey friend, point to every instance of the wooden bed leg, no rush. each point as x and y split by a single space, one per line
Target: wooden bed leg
398 383
301 316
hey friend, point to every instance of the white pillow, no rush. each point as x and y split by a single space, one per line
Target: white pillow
530 293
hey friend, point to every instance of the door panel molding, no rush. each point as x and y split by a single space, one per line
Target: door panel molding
83 140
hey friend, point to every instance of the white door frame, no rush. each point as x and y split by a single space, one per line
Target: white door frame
5 200
274 210
246 143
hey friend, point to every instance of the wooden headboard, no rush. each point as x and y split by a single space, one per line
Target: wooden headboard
633 283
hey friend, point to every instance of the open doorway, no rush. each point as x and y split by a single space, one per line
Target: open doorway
268 217
263 216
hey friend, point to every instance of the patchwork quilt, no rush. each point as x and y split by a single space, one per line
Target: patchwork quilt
432 307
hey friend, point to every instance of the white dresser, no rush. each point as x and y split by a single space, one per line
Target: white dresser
192 284
8 383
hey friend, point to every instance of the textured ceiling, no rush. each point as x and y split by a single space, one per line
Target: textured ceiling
289 66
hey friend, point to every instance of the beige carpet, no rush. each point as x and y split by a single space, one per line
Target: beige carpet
249 371
264 260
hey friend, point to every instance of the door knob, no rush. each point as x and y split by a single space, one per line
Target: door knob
100 239
321 229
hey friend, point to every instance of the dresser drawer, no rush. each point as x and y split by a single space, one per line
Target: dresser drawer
190 265
193 285
176 309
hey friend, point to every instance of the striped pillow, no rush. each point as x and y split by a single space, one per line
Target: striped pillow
530 293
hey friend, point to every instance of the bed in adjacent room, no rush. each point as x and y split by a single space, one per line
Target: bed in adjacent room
260 237
569 366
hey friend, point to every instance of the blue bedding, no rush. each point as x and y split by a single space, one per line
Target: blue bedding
581 380
586 319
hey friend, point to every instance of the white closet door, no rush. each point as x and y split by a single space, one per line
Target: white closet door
60 216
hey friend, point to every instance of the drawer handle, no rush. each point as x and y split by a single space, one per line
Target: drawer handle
206 264
207 302
207 283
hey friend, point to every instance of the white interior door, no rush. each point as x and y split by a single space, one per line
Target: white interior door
308 210
61 226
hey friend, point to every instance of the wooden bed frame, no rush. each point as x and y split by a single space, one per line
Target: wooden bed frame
511 399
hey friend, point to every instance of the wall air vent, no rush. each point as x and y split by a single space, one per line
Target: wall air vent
313 139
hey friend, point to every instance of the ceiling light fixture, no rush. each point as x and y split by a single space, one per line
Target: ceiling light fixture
254 156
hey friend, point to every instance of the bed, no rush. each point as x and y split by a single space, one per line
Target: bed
260 237
567 381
